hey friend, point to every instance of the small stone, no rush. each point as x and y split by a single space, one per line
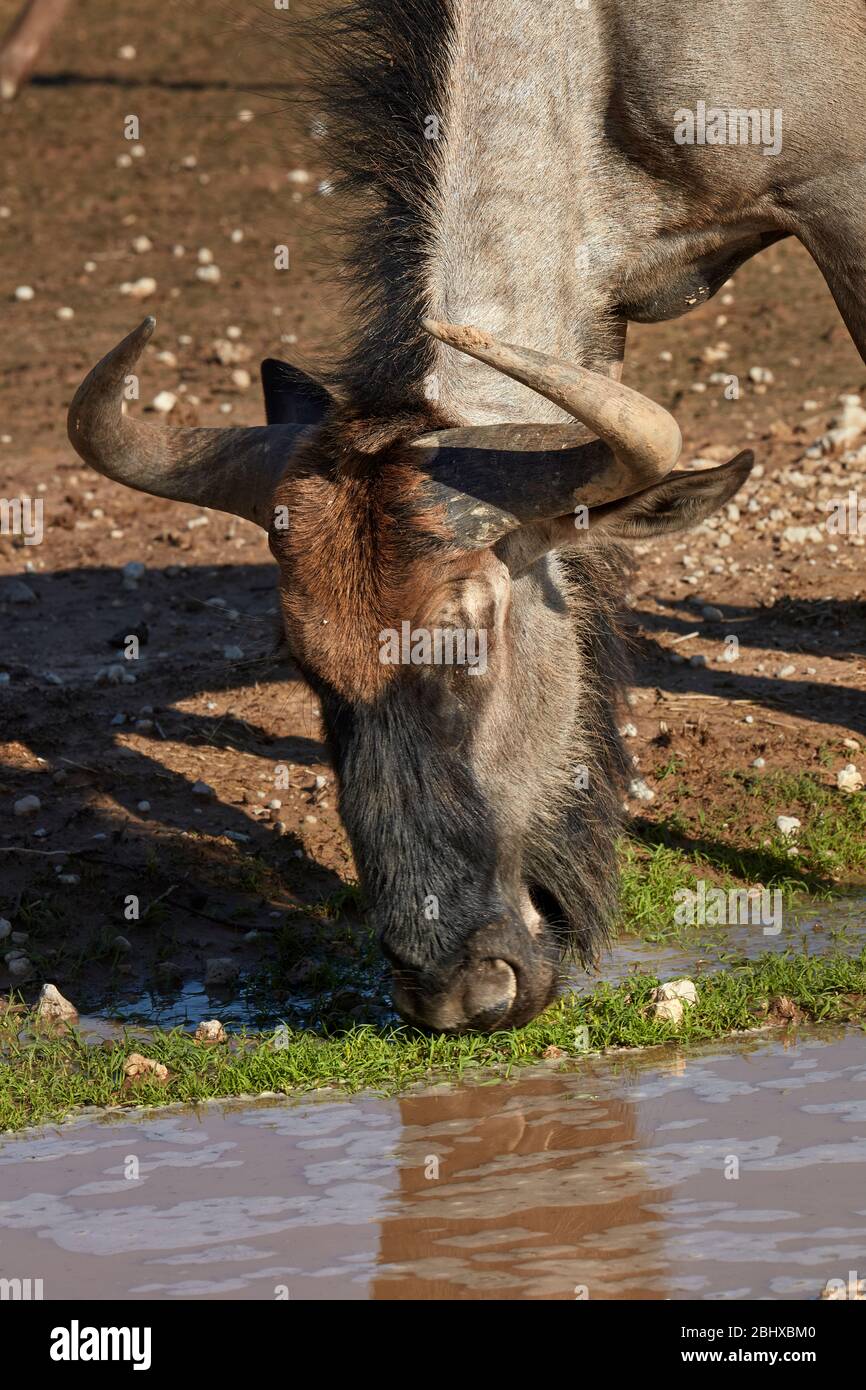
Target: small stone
785 671
787 825
52 1006
168 971
761 375
133 570
553 1053
210 1031
698 660
142 288
19 965
209 273
712 615
759 762
17 591
65 313
143 807
203 791
141 245
220 970
668 1000
71 879
640 791
669 1011
628 731
137 1065
163 402
233 653
852 744
5 928
678 989
24 292
27 805
122 943
848 779
320 782
111 675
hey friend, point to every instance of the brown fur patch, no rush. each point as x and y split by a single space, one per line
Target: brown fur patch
362 550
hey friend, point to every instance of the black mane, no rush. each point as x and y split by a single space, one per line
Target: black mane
375 71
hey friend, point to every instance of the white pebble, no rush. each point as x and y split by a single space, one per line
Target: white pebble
640 791
24 292
848 779
139 289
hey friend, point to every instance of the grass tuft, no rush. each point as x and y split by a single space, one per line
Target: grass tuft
47 1077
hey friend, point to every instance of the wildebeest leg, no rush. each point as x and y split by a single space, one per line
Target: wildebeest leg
835 235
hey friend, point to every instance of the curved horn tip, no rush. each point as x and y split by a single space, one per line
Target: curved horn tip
131 347
461 336
136 340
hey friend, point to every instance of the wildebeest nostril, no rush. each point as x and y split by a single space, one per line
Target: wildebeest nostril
490 991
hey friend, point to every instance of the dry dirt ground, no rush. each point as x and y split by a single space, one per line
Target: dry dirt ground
220 175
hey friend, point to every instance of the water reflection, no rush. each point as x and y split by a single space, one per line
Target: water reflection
732 1172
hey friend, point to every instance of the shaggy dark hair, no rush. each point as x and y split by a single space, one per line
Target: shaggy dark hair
373 72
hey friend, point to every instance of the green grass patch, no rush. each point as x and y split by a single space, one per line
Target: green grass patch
736 844
46 1077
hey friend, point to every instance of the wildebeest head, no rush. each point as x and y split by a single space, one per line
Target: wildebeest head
450 593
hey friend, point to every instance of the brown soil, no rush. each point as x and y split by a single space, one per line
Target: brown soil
218 147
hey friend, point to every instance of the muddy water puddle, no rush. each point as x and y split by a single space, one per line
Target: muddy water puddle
817 928
732 1172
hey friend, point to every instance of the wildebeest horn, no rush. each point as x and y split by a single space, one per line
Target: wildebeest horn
232 470
624 442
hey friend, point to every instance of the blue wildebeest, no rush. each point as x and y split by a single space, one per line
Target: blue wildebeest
547 174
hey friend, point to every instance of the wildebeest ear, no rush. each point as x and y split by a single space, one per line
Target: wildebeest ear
678 502
292 397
